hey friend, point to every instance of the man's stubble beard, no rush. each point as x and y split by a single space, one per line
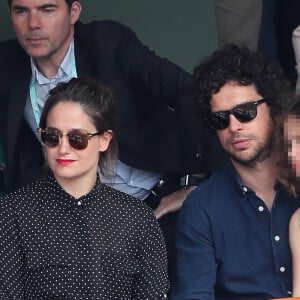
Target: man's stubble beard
261 152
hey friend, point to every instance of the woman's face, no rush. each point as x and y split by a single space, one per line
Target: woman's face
67 163
292 140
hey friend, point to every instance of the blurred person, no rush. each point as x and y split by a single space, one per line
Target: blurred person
290 175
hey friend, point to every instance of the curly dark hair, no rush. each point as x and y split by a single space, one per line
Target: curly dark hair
239 64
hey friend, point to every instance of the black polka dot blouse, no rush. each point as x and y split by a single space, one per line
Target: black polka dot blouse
104 245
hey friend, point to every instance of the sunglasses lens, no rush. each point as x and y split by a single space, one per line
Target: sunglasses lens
78 139
219 120
246 112
243 113
50 137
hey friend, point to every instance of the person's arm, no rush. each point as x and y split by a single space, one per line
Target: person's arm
171 85
173 202
152 283
163 79
294 236
12 266
196 263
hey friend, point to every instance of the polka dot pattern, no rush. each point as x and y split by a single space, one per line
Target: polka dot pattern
104 245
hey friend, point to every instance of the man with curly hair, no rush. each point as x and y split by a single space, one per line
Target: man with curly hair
233 229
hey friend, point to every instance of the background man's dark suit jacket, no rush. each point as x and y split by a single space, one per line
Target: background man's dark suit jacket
156 128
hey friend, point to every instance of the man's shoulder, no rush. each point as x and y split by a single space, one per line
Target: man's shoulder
103 27
102 38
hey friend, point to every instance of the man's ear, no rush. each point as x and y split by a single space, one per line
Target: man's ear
75 11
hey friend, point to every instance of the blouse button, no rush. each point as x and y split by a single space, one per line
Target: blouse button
79 202
261 208
282 269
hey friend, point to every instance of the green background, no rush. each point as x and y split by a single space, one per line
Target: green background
182 30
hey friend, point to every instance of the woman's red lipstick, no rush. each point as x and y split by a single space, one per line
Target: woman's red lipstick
65 162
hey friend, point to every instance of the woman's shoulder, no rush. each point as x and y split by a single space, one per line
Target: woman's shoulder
23 195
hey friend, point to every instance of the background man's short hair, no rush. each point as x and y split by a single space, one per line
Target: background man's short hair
69 2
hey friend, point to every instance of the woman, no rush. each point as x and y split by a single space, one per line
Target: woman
290 176
67 236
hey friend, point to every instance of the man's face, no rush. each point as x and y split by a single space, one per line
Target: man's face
44 28
246 142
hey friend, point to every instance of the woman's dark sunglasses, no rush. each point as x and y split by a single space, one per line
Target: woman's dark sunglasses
78 139
244 112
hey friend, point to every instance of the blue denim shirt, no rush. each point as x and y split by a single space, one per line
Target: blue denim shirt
230 246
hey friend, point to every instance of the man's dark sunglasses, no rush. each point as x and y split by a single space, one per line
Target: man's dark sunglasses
78 138
244 113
